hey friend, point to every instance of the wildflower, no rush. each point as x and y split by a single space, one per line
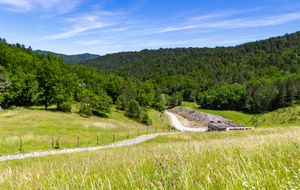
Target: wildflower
197 179
174 163
173 184
162 167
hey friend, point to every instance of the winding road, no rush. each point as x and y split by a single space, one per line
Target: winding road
178 125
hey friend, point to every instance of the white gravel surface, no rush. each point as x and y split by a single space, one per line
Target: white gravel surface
177 124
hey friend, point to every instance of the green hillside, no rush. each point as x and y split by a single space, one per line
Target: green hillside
72 59
282 117
255 77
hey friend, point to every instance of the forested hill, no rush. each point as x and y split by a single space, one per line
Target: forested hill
256 77
147 63
109 61
72 59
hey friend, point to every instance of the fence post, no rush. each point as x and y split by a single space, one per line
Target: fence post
52 142
97 140
20 144
113 138
77 141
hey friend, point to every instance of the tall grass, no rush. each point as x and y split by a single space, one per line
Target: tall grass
260 159
38 128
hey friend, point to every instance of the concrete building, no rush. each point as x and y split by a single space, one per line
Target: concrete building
219 126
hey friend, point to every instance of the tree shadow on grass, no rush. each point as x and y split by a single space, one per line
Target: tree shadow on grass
43 109
95 113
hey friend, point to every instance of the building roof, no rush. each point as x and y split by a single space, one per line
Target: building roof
220 125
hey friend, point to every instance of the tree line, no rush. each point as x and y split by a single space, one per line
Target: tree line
28 78
256 77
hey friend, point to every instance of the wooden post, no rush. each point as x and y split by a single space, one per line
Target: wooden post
77 141
20 144
97 140
52 142
113 138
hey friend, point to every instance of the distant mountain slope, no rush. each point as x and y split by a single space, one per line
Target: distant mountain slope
72 59
141 57
276 51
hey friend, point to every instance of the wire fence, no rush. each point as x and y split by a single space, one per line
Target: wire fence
64 142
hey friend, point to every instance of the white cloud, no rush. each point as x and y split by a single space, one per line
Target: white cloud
78 30
88 43
208 21
253 22
48 6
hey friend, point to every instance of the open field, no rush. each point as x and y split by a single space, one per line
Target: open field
289 116
37 127
266 158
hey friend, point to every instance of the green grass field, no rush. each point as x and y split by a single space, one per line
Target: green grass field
37 127
266 158
282 117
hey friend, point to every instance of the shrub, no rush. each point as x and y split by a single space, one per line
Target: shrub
66 107
12 107
87 110
146 119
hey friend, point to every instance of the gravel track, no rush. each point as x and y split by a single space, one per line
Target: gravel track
66 151
137 140
178 125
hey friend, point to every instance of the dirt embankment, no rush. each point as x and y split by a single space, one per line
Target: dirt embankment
200 119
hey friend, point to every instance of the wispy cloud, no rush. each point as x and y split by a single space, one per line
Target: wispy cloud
220 21
253 22
91 42
54 6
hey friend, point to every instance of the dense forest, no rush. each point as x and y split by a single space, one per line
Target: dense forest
255 77
72 59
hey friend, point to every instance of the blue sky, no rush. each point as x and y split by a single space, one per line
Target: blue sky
109 26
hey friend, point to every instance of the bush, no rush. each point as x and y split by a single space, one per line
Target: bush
146 119
66 107
133 109
12 107
87 110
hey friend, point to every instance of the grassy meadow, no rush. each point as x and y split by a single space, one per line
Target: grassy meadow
37 127
265 158
289 116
